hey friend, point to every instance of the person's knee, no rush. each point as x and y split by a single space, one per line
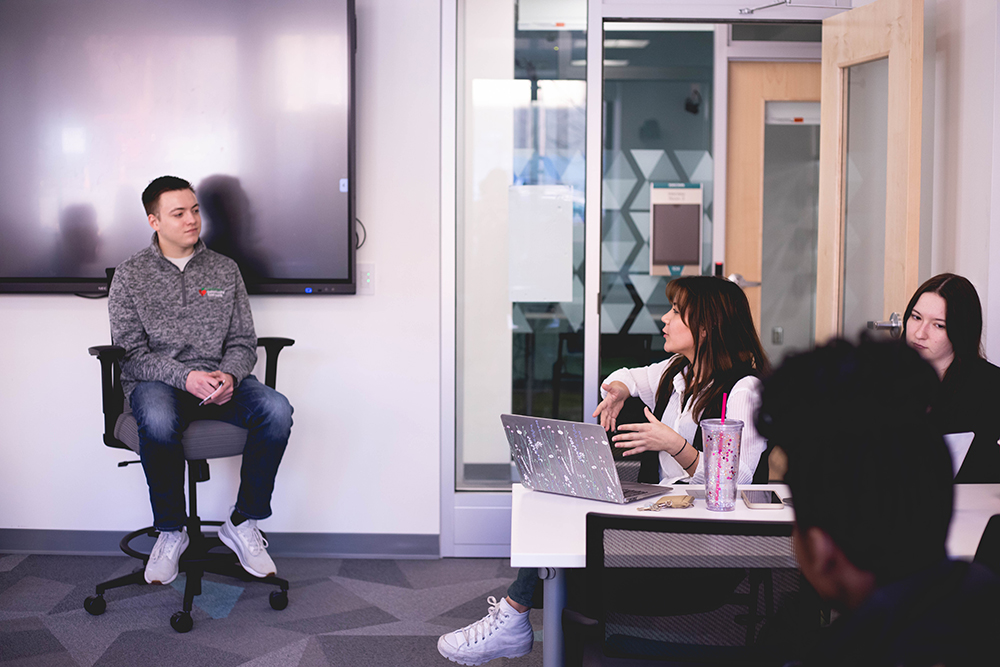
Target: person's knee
155 412
277 412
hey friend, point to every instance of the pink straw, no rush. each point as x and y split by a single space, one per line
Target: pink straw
725 397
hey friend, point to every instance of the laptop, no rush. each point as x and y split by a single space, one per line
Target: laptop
571 459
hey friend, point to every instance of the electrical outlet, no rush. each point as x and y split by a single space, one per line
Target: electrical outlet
366 278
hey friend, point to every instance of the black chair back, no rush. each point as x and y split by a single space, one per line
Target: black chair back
688 590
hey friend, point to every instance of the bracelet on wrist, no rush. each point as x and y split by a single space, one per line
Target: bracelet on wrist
693 461
678 452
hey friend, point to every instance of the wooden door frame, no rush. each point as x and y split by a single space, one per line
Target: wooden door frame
751 86
890 29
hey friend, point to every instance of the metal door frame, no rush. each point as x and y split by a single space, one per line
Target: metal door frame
461 509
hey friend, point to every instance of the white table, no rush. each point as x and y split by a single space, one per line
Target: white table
549 532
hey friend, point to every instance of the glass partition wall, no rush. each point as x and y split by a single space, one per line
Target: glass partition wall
520 206
520 215
658 94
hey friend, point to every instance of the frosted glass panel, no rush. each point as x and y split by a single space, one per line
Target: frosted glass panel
520 231
788 252
864 214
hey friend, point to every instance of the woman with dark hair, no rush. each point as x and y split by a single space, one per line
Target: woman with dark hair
716 351
944 323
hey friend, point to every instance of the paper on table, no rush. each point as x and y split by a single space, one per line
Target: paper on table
958 445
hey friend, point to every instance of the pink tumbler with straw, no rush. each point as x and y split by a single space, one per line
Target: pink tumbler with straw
721 444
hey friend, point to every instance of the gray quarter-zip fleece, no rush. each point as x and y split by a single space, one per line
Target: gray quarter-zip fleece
171 322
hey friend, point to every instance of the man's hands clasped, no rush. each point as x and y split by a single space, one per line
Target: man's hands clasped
202 384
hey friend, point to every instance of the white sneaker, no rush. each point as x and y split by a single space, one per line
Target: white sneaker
161 568
249 545
502 633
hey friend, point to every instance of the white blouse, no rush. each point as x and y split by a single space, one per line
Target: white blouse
742 404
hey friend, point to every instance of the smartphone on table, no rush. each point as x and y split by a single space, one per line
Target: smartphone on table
762 500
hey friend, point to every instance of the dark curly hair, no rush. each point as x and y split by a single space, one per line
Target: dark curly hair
865 462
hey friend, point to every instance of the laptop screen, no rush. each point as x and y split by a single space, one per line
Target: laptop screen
568 458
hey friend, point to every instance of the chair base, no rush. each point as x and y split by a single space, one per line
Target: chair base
199 558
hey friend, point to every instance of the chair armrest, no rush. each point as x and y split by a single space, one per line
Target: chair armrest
112 398
109 352
272 348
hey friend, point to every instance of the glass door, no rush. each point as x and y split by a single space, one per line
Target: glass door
788 239
865 166
869 196
771 220
657 107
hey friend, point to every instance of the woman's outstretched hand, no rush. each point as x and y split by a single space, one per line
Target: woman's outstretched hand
609 408
654 436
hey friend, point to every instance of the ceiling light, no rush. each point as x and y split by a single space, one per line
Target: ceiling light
607 63
626 43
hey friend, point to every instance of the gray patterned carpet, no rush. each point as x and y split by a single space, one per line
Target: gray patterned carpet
340 612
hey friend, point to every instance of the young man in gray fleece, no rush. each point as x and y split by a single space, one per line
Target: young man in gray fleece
182 314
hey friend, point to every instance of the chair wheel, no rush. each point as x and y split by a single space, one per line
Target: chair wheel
95 605
278 600
181 621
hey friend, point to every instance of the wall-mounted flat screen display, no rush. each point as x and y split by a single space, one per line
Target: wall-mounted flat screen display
249 100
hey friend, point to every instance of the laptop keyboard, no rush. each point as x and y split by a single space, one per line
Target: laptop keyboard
633 490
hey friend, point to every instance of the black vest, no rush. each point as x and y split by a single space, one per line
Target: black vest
713 410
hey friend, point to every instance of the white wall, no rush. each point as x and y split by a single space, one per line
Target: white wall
363 375
965 54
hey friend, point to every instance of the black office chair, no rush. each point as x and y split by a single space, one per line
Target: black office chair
568 367
642 610
203 440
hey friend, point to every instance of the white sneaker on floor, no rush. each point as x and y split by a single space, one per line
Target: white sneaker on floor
249 545
161 568
502 633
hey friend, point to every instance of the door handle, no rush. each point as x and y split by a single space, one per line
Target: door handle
894 326
741 281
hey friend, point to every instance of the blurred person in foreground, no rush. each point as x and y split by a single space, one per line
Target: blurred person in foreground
871 480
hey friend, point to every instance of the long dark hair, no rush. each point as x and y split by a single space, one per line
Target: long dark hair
963 316
725 340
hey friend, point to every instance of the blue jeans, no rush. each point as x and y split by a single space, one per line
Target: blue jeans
525 590
164 412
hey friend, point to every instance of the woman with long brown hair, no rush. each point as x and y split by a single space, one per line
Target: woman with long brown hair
717 351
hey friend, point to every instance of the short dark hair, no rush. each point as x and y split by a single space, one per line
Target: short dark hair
963 315
865 463
156 187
